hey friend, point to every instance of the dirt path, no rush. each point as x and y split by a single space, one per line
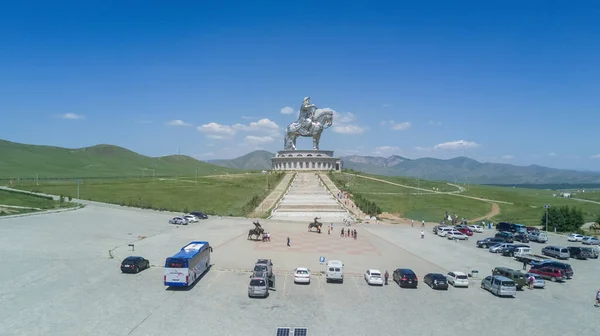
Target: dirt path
453 193
495 211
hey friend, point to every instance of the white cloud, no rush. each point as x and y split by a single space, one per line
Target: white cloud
552 154
507 157
287 110
72 116
178 122
456 145
218 131
257 140
597 156
263 125
342 123
402 126
348 129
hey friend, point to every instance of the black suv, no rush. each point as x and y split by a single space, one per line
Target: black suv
565 268
405 277
579 252
487 242
506 236
521 237
134 264
198 214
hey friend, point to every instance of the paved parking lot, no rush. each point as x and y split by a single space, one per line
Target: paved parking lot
59 280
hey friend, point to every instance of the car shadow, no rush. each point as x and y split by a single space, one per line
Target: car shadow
190 287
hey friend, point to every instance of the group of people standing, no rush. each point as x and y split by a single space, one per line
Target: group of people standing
348 233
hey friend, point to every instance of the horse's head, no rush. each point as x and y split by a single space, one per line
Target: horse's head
324 117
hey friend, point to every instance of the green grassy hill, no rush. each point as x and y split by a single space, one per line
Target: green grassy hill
516 205
257 160
25 161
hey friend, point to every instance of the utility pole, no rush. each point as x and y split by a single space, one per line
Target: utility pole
37 181
547 206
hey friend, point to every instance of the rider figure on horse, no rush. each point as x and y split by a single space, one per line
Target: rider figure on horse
307 113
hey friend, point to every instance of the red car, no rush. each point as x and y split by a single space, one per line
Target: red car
466 231
532 229
550 273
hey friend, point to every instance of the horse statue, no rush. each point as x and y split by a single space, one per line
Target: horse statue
315 224
595 227
311 123
257 231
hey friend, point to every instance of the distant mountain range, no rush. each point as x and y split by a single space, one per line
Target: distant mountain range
460 169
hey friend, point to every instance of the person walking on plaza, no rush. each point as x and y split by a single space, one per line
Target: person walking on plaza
412 223
422 234
597 299
531 281
342 233
329 230
422 223
288 241
386 276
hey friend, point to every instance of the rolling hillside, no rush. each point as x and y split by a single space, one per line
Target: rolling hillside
460 169
257 160
25 161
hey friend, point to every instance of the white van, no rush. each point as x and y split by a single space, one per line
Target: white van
335 271
522 251
443 231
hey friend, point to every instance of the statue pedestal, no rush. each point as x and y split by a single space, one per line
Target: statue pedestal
305 160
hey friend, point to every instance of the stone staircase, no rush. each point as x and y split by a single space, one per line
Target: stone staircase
308 198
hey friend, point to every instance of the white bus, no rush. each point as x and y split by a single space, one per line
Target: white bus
182 269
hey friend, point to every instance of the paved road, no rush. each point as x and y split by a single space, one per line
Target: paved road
57 273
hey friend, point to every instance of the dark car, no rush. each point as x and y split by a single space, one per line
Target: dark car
487 242
566 269
579 252
521 237
436 281
510 250
134 264
532 229
504 226
405 277
200 215
507 236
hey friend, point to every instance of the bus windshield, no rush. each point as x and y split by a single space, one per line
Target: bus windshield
176 263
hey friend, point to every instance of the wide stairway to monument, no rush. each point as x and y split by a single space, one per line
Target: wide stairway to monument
308 198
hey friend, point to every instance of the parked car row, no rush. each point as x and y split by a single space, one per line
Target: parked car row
459 232
262 279
586 240
192 217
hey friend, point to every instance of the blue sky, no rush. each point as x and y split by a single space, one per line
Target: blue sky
500 81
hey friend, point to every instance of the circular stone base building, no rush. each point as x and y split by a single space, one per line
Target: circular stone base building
306 160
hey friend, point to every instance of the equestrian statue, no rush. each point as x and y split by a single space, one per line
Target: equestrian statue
315 224
257 231
311 123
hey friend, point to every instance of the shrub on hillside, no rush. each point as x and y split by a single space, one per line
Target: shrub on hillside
563 219
365 205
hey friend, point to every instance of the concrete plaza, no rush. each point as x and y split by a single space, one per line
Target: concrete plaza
58 279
